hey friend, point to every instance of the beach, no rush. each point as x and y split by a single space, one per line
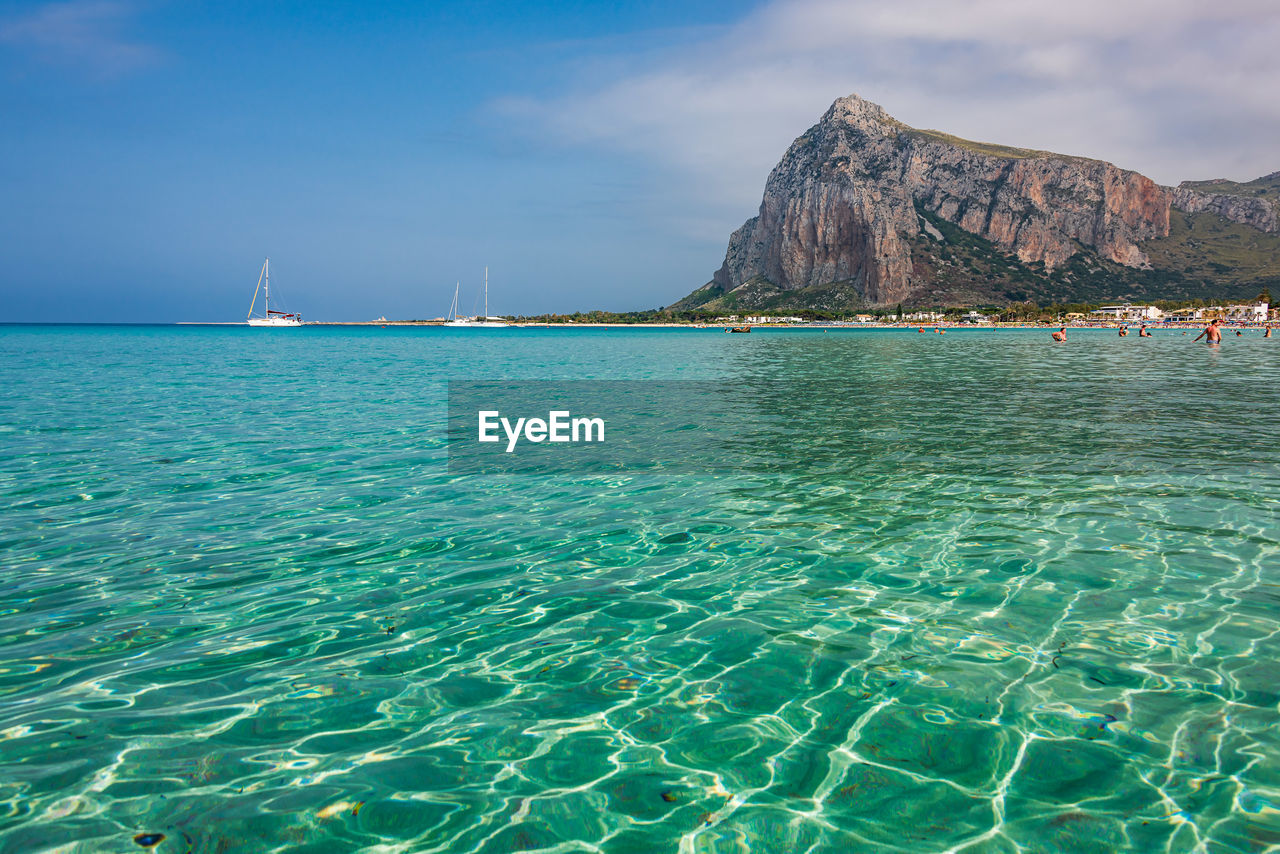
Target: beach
1183 326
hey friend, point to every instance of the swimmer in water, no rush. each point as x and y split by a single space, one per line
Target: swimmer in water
1211 334
1143 333
1124 330
940 332
1060 335
921 329
1238 333
1267 334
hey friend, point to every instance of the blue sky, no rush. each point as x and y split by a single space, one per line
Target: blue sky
591 155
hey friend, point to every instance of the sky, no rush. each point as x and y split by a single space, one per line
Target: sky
591 155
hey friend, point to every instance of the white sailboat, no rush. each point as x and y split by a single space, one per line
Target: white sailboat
271 316
452 319
483 320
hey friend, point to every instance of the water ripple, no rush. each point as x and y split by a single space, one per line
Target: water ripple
981 594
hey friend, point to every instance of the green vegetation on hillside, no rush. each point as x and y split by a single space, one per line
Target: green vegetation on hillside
990 149
965 269
1205 257
760 294
1018 312
1267 187
1217 251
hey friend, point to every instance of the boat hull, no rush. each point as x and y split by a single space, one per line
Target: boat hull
274 321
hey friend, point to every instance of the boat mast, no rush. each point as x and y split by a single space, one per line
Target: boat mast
266 286
486 293
254 302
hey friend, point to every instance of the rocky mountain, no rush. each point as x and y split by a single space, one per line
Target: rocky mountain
863 210
1256 203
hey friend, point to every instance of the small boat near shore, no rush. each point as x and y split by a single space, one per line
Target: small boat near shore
738 329
452 319
483 320
271 317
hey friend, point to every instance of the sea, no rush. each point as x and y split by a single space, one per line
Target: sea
987 593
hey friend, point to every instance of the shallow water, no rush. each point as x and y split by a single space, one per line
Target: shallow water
986 593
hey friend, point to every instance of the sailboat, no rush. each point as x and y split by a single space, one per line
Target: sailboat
271 317
483 320
452 319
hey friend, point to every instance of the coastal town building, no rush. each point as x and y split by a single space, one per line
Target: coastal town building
1256 312
759 318
1128 313
1248 313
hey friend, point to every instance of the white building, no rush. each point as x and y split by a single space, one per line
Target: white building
1249 313
924 315
1127 312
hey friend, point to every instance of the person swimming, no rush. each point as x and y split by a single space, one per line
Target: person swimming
1060 335
1143 333
1124 330
940 332
921 329
1267 334
1212 334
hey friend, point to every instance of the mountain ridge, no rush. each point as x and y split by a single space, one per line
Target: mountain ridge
854 208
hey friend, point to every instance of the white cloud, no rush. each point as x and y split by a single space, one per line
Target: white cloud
1177 89
81 33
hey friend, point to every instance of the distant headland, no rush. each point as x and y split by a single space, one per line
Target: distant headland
865 213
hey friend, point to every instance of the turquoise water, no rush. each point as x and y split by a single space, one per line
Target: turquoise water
994 595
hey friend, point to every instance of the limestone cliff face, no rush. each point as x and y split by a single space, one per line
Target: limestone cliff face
1259 213
840 206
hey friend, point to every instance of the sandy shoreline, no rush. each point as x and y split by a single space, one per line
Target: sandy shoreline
766 326
816 325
